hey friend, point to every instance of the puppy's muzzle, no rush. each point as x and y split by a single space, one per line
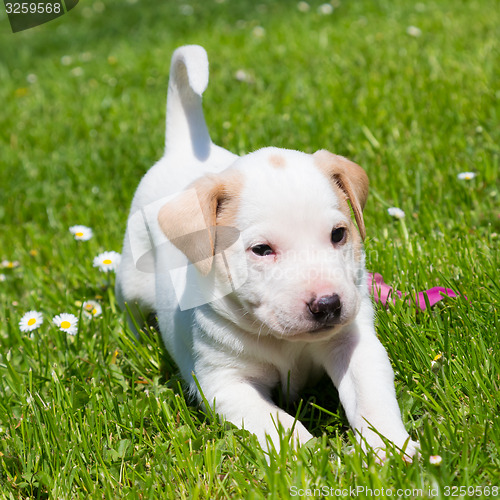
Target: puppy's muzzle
326 309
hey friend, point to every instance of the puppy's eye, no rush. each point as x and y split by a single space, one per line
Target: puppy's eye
262 250
338 235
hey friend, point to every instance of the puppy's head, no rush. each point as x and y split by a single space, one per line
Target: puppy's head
303 253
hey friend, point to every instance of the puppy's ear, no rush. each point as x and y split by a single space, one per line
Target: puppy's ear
350 178
189 220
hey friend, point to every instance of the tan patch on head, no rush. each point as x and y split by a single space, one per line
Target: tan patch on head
277 160
191 220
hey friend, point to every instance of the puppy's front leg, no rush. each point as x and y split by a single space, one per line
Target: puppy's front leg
360 369
248 405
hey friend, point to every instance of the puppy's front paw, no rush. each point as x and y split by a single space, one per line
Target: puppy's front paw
402 445
301 436
411 449
296 438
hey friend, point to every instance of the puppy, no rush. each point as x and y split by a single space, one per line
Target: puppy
256 272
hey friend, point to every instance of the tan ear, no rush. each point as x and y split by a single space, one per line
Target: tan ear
350 178
203 217
189 220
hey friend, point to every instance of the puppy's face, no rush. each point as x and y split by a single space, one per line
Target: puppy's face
303 254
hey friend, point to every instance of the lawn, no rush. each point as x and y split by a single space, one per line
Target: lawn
409 90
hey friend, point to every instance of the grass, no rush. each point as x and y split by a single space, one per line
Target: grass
82 118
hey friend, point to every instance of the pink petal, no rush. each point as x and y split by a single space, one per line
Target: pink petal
434 295
382 292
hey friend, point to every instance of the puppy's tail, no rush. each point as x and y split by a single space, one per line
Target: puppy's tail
186 127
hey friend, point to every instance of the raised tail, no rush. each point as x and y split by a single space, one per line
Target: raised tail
186 127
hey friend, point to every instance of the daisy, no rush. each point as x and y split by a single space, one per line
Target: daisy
107 261
259 32
91 308
81 233
242 76
30 321
303 7
437 362
396 212
67 323
435 459
325 9
66 60
466 176
9 264
413 31
186 10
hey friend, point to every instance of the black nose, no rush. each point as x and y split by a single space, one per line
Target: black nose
326 309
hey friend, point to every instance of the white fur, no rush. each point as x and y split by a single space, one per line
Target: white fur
258 333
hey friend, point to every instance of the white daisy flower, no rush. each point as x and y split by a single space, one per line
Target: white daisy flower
242 76
86 56
437 362
91 308
78 71
259 32
466 176
66 60
396 212
81 233
9 264
99 7
67 323
325 9
413 31
3 277
303 6
435 459
186 10
30 321
107 261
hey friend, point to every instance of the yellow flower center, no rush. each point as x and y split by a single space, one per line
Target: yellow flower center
94 311
79 234
10 265
31 321
107 261
65 324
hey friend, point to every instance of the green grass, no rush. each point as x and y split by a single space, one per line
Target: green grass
102 415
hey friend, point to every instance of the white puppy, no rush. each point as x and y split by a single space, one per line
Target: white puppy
256 272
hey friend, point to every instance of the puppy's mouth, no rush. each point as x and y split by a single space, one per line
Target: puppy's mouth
318 319
305 329
316 332
314 324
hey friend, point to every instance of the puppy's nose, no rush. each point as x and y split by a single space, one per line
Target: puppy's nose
326 309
